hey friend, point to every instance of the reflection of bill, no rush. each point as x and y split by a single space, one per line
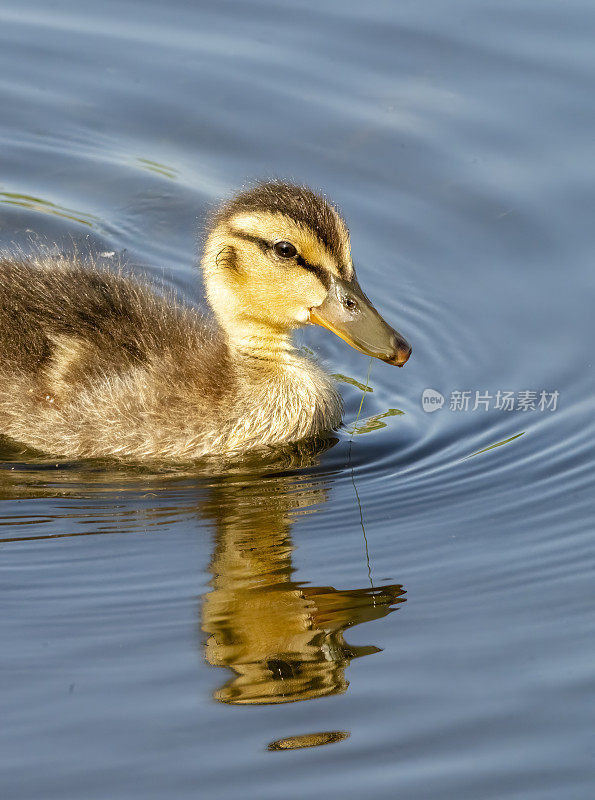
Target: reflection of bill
282 639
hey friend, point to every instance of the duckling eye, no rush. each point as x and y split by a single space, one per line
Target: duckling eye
285 249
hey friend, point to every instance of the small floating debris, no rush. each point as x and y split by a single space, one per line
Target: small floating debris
47 207
352 382
373 423
498 444
159 169
309 740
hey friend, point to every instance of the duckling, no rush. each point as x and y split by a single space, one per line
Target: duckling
96 363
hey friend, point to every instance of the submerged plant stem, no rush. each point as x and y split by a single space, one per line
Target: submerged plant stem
359 505
359 411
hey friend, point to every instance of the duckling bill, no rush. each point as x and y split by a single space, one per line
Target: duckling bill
348 313
100 364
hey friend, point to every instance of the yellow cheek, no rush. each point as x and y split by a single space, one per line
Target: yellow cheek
285 294
302 316
303 288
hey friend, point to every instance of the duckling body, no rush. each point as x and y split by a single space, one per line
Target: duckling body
99 364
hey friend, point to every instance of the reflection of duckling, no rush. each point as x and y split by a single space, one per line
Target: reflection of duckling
98 364
282 639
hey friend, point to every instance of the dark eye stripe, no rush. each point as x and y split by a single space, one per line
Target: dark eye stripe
257 240
321 273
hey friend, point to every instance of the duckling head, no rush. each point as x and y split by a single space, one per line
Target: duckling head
278 257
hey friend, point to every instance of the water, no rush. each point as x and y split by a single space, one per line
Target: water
429 614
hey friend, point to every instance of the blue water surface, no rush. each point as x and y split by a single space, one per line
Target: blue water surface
404 610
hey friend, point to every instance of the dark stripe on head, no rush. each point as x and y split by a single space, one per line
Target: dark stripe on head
248 237
301 204
321 273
